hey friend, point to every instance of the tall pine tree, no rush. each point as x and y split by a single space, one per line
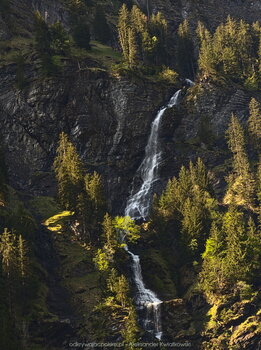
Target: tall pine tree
254 124
241 182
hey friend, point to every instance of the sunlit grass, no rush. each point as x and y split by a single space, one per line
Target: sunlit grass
55 223
102 54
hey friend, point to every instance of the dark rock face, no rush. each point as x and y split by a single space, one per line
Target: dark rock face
107 118
204 10
197 128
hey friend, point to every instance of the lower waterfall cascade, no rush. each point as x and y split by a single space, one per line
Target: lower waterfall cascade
137 207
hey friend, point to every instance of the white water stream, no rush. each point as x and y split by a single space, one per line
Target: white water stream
189 82
138 204
137 207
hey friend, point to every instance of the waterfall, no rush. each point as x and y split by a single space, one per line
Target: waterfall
137 207
138 204
189 82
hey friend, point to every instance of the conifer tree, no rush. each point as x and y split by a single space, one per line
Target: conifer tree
93 188
138 19
206 60
100 26
192 225
231 52
241 182
7 250
158 33
42 34
254 124
258 180
69 172
141 38
130 330
109 233
212 278
102 260
119 286
171 199
122 291
84 212
123 29
132 59
139 23
22 251
232 253
253 249
235 265
237 144
185 49
60 43
81 34
199 175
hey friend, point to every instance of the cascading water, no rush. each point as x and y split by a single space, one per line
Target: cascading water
138 204
137 207
189 82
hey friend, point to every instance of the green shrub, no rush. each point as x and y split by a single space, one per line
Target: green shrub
169 75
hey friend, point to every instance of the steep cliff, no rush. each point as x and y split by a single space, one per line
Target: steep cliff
108 117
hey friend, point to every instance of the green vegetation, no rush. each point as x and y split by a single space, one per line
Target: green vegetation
56 222
115 232
50 41
254 124
81 35
78 191
103 54
196 243
82 193
219 244
188 200
241 181
15 49
101 28
230 53
227 241
142 39
22 296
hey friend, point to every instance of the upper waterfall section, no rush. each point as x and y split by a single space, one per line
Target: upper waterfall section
138 204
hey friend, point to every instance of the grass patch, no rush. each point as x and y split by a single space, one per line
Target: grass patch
102 54
11 49
55 223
